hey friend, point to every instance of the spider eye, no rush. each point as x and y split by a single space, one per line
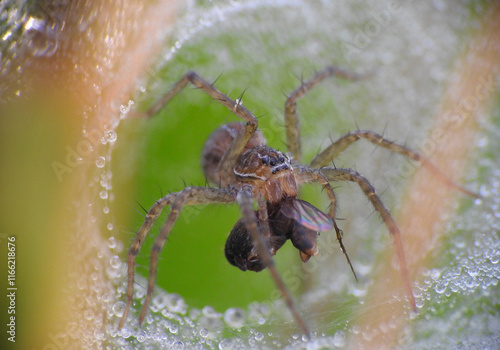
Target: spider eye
265 160
273 161
282 159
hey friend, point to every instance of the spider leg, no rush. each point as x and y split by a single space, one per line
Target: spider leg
188 196
244 199
291 115
331 152
338 174
232 154
306 175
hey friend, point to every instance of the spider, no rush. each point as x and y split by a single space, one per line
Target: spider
238 160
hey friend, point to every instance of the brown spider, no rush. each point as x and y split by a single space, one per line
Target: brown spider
237 159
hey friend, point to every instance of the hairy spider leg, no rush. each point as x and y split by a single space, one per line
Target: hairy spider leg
244 199
308 175
188 196
338 174
232 154
325 157
291 116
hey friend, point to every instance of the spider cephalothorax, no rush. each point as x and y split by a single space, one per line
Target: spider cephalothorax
269 171
245 170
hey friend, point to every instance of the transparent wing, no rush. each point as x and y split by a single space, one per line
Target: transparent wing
306 214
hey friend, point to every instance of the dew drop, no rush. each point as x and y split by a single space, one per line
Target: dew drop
88 314
141 337
178 345
119 308
440 288
209 312
419 303
159 301
42 36
103 194
234 317
339 339
115 262
111 136
112 242
100 162
175 303
125 332
473 271
204 332
173 328
225 344
124 109
110 226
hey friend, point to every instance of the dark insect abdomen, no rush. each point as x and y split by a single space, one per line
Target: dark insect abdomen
241 251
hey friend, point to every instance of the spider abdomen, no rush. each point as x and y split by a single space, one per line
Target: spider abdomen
218 143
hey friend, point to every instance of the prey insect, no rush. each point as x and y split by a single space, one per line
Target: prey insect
244 169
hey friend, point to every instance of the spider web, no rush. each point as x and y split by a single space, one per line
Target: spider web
266 43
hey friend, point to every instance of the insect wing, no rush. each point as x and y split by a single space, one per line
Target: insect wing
307 215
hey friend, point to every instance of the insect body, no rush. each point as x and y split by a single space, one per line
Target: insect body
292 219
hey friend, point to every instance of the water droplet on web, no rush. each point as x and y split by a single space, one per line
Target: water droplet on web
176 303
473 271
110 136
204 332
158 301
173 328
141 337
88 314
103 194
234 317
42 35
115 262
119 308
178 345
125 332
109 226
258 336
124 109
440 288
210 312
100 162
